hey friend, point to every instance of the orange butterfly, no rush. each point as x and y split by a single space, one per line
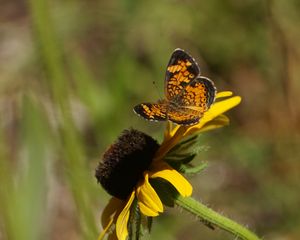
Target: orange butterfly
187 94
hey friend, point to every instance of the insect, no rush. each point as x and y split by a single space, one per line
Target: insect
187 94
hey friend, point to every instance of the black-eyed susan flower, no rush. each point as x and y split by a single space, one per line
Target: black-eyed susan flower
133 166
125 173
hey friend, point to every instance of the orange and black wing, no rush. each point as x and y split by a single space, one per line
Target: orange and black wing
152 111
181 70
184 116
198 95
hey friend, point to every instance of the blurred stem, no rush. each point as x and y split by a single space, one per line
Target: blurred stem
23 183
68 139
212 218
49 48
6 189
282 53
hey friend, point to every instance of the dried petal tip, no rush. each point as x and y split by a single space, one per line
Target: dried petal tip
125 161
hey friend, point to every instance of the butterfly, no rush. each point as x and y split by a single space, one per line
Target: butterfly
187 94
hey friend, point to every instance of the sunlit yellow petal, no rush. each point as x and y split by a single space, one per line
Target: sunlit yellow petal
122 221
167 134
148 200
174 129
215 110
217 122
166 145
219 108
163 170
105 229
224 94
171 129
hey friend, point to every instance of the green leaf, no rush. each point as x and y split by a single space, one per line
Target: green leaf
184 145
135 222
180 159
185 151
149 223
195 169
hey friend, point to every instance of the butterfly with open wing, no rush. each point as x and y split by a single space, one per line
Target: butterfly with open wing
187 94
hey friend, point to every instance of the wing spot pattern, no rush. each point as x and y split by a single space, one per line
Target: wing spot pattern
148 111
179 80
153 111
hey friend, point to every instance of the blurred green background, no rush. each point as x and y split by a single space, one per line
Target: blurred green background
70 73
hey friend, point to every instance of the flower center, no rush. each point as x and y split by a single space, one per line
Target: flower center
125 161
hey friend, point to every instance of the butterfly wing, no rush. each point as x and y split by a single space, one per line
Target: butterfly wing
198 95
152 111
184 116
181 70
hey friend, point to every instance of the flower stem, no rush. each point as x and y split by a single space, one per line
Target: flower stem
212 218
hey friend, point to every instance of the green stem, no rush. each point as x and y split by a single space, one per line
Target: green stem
213 218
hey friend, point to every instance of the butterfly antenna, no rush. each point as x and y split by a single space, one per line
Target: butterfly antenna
161 98
156 88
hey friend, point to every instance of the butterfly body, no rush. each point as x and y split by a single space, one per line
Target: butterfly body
187 94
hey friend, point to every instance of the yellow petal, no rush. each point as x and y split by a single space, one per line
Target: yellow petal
168 131
148 200
109 215
163 170
218 108
217 122
105 229
173 129
114 205
170 143
215 110
121 226
224 94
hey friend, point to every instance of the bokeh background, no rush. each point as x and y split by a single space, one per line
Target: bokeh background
70 73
